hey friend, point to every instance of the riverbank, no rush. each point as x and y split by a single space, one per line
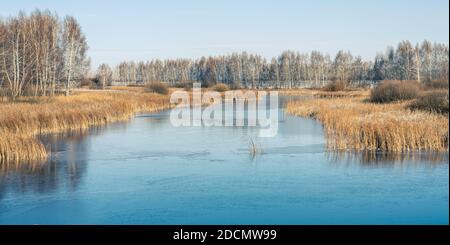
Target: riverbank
352 123
22 121
317 93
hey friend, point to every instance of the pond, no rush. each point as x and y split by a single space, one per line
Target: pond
145 171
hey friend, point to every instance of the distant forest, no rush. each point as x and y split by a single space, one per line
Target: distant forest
422 62
41 54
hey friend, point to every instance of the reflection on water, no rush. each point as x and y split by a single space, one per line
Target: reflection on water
63 169
374 159
148 172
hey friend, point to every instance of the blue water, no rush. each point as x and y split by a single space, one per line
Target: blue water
145 171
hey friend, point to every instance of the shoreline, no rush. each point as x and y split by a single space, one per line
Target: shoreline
352 123
22 122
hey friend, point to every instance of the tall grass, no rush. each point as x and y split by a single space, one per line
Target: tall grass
15 148
20 122
325 94
253 147
351 123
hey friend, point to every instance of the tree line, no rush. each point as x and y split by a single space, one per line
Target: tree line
422 62
41 54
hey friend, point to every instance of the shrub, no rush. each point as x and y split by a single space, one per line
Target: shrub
87 83
234 86
183 84
93 83
437 84
28 90
157 87
436 101
3 92
220 87
336 85
389 91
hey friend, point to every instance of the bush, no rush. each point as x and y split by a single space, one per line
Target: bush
93 83
234 86
220 87
184 84
389 91
157 87
87 83
3 92
437 84
334 86
436 101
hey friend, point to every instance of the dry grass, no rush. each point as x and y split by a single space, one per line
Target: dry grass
20 122
253 147
17 148
353 124
325 94
127 88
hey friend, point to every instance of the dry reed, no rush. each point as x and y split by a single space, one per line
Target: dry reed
325 94
353 124
253 147
20 122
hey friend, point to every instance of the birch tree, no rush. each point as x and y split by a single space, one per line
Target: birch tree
417 62
104 75
17 57
74 50
405 60
45 34
342 66
426 52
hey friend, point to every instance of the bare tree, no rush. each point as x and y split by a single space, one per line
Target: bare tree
45 34
342 65
292 69
74 49
426 52
405 60
104 75
417 61
17 58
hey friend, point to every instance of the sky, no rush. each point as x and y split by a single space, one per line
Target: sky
143 30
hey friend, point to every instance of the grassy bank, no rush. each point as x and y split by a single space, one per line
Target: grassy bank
352 123
324 94
21 122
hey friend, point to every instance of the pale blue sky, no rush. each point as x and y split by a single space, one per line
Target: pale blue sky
142 30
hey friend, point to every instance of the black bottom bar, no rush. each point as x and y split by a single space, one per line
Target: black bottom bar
210 234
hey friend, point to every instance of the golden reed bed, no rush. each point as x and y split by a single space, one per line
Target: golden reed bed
324 94
353 124
20 122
